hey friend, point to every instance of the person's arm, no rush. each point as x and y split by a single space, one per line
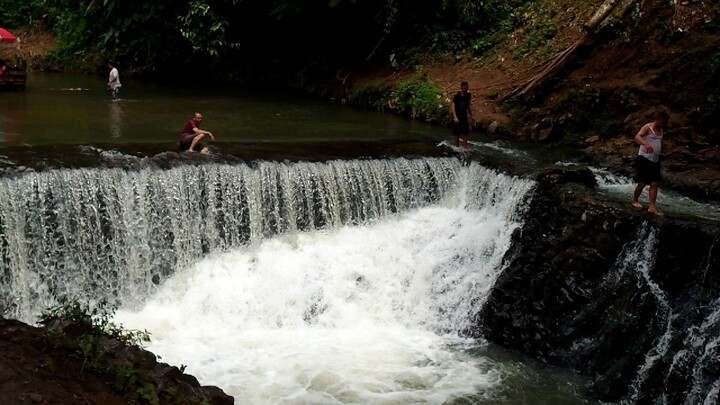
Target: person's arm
452 110
471 120
202 131
640 138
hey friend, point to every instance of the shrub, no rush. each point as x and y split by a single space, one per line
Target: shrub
419 98
373 96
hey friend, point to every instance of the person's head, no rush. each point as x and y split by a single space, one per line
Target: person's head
197 117
464 86
661 119
111 65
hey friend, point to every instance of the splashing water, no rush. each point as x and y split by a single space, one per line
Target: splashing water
361 314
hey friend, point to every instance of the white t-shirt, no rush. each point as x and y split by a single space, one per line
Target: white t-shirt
655 141
116 75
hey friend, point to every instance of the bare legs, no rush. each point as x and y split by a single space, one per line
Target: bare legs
636 195
653 196
653 192
195 141
464 141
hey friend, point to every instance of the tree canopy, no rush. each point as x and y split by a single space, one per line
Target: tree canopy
164 36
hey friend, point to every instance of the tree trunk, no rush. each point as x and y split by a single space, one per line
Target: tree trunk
561 60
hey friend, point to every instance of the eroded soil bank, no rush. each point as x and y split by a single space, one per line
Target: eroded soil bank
656 56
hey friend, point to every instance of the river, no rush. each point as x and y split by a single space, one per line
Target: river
322 254
77 109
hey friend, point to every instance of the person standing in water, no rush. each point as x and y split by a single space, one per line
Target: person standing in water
114 81
192 135
461 114
647 163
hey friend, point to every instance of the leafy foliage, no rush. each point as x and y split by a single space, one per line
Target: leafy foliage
91 335
373 97
205 29
148 36
22 13
540 26
95 322
420 98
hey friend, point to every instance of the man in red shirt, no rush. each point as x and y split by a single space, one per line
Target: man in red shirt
192 135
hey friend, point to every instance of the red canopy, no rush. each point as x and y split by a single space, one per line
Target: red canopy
6 36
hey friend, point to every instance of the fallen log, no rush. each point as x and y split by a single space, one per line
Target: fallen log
524 92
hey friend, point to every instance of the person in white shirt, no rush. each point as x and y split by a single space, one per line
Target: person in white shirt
647 163
114 81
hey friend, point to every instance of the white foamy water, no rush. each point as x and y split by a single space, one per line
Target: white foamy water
347 282
365 314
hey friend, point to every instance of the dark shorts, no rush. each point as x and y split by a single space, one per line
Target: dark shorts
186 141
462 128
646 171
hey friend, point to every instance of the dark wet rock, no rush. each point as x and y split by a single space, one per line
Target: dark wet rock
689 165
573 296
38 364
18 159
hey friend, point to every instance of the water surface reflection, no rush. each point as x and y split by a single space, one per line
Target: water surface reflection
76 109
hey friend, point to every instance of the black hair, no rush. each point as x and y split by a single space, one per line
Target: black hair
464 84
662 115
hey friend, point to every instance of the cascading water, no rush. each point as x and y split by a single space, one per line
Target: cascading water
338 282
641 261
369 313
684 358
112 234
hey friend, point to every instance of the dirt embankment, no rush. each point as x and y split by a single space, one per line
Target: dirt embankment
655 56
46 366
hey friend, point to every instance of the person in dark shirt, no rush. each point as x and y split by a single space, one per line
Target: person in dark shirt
461 114
192 135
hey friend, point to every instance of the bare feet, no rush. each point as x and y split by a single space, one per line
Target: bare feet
654 211
636 204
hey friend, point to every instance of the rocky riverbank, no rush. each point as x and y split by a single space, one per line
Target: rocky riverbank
630 300
655 56
67 363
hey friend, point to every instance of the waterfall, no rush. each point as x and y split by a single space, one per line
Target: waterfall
335 282
701 353
112 234
684 358
367 313
642 264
